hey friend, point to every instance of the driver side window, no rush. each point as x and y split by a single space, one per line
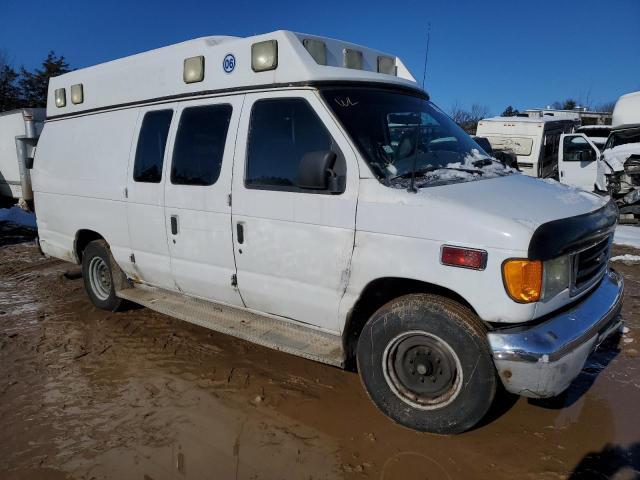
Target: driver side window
577 149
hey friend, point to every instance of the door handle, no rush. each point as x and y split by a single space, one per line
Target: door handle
174 224
240 232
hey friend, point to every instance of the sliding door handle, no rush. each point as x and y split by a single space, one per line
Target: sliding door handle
174 224
240 233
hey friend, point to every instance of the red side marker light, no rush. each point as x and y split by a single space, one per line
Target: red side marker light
463 257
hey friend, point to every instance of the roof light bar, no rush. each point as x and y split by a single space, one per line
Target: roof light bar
387 65
352 58
193 69
61 97
264 56
317 49
77 94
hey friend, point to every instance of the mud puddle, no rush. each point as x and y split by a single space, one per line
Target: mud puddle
88 394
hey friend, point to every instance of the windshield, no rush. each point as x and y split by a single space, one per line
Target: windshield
400 133
622 137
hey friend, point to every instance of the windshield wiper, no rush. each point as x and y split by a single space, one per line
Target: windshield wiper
433 168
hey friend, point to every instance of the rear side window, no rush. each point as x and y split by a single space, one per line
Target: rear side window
151 144
282 131
199 148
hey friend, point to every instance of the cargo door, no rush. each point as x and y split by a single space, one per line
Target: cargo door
150 261
198 199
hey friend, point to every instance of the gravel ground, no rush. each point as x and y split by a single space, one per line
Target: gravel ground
88 394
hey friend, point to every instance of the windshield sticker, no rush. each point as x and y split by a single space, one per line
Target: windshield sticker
346 102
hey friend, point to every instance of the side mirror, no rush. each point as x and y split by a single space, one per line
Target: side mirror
315 172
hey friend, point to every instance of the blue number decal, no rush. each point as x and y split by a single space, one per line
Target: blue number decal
229 63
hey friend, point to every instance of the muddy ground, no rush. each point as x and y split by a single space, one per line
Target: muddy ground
88 394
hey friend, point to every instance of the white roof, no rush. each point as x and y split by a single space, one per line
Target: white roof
524 119
591 127
157 74
627 110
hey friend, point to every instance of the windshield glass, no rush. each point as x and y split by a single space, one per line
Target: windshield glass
399 133
622 137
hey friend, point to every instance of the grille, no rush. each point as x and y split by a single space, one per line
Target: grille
589 265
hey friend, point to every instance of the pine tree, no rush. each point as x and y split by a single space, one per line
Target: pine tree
33 85
9 91
510 112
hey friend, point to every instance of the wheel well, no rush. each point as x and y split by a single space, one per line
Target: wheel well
375 295
83 238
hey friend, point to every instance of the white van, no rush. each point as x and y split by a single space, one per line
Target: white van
613 169
19 131
303 193
534 141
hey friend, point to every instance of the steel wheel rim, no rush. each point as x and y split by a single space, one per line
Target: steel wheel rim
422 391
100 278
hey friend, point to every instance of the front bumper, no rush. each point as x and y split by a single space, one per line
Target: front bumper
542 360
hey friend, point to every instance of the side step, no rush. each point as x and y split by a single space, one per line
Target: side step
277 334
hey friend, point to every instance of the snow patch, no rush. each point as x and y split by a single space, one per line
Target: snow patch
627 235
627 259
616 156
475 166
18 216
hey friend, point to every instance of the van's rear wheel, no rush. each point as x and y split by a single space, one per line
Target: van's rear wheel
99 276
425 362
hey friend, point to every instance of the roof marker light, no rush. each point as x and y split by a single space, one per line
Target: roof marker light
193 69
317 49
61 97
352 58
77 94
264 56
387 65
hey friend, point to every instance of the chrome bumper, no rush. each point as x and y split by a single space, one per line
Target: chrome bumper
542 360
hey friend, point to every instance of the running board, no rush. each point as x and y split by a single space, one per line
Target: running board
280 335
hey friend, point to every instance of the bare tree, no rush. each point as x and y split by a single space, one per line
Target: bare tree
606 106
468 119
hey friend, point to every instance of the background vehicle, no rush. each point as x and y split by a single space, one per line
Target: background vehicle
504 156
304 193
598 134
616 169
534 141
19 132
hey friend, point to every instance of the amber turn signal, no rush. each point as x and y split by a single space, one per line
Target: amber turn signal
523 279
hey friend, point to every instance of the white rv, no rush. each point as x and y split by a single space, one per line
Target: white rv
19 131
303 193
534 141
613 169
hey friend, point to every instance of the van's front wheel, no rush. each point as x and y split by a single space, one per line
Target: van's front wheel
425 362
99 276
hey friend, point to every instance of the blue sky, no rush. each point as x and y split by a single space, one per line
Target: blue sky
491 52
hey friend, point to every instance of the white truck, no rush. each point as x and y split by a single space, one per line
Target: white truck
534 141
19 131
615 170
303 193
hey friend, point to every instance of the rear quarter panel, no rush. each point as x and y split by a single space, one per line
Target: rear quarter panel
79 180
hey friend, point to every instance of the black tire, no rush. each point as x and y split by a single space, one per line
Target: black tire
97 255
394 358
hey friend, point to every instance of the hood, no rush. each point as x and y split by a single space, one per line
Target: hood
617 156
499 213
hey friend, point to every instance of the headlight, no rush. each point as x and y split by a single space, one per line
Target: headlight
632 197
528 281
556 276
